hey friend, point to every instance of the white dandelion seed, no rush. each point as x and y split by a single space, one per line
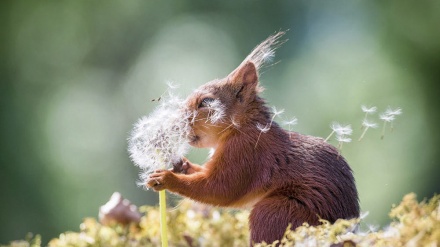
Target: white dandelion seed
388 117
263 128
344 130
393 112
341 140
340 130
268 56
266 128
367 110
369 124
333 126
276 112
291 122
160 139
366 124
216 111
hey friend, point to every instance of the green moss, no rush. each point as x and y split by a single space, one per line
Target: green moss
413 224
30 241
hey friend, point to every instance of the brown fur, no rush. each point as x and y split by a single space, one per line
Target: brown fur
286 178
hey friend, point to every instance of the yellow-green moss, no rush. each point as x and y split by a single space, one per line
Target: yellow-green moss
413 224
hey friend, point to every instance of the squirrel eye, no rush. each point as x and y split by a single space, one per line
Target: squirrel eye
206 102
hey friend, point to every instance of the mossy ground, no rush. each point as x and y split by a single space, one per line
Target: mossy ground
413 224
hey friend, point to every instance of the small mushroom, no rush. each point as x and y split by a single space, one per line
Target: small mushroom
118 210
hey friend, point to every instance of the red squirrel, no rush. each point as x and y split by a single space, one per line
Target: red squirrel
284 177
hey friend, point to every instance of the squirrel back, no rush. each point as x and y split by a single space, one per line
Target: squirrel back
284 177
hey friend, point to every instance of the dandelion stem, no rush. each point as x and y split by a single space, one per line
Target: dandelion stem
163 218
163 209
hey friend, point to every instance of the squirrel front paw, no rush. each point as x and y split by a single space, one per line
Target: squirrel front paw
183 167
160 180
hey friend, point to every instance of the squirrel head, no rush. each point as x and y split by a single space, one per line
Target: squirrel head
222 106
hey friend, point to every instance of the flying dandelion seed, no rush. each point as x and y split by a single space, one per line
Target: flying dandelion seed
333 126
366 124
291 122
394 112
367 112
388 117
391 112
160 139
276 112
266 128
343 138
340 130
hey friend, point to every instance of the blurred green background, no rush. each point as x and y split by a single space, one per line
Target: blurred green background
75 76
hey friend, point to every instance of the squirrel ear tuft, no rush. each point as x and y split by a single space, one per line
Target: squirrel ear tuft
245 79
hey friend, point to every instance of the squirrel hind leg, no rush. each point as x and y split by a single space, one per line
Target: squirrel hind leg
270 217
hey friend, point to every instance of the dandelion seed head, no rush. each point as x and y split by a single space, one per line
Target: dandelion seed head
160 139
370 110
369 124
